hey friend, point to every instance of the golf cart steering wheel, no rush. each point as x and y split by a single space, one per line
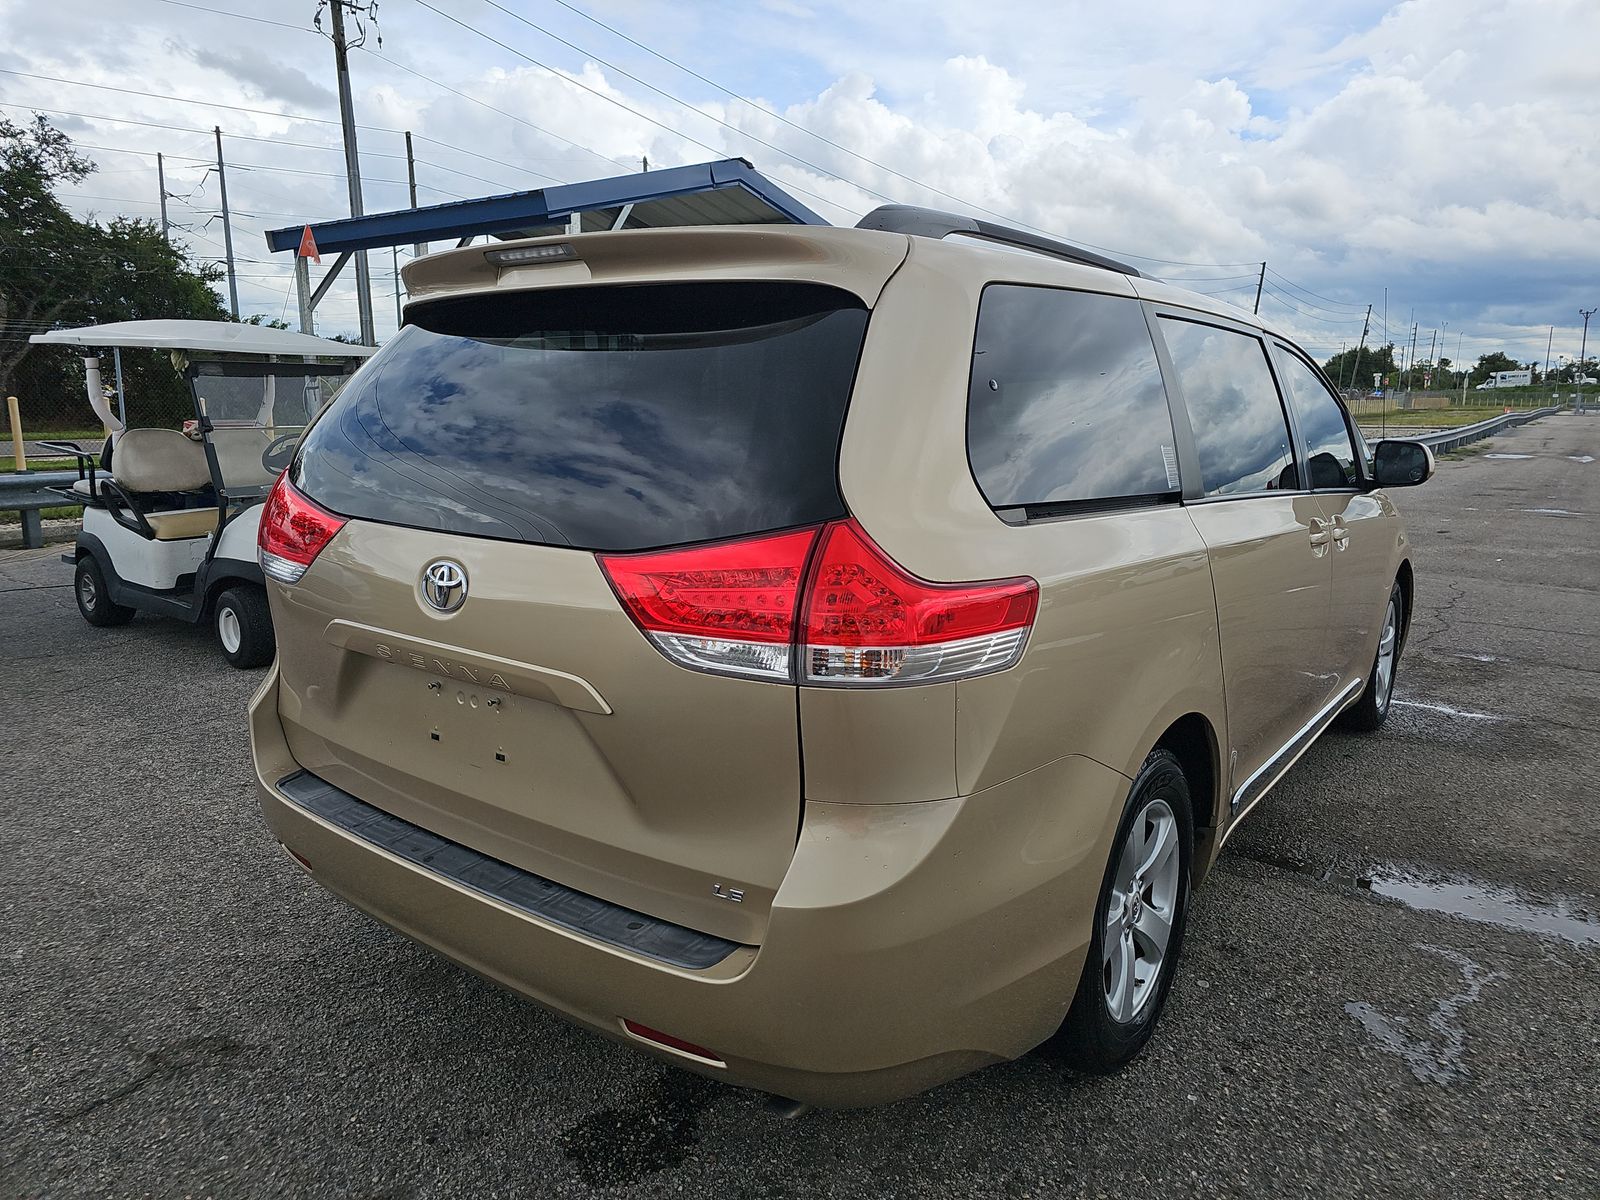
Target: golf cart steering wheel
279 452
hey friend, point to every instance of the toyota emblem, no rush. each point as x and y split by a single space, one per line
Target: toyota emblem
444 585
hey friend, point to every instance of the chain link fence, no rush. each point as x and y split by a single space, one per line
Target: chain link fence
48 382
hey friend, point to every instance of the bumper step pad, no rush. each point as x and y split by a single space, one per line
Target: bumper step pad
533 894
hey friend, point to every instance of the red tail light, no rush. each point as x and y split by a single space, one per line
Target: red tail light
736 608
293 532
728 607
868 620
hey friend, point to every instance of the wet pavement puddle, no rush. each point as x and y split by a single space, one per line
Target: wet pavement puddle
1486 904
1439 1055
1574 921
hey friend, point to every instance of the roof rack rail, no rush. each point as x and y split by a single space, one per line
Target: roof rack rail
931 223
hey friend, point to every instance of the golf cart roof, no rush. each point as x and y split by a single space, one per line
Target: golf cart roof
223 337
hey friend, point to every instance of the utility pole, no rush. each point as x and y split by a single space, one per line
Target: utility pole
645 160
352 165
1583 353
420 248
1548 342
227 227
1355 363
394 255
1411 360
1431 342
1260 283
161 187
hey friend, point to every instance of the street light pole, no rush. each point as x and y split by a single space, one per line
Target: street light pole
1583 353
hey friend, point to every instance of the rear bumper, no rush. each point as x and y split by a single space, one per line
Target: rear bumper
908 944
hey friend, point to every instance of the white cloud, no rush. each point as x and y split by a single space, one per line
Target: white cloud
1444 149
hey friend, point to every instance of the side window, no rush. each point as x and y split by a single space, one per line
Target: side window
1065 401
1240 432
1330 454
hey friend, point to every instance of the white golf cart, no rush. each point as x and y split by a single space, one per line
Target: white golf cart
170 517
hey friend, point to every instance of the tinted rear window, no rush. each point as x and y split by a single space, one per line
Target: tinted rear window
1066 402
612 418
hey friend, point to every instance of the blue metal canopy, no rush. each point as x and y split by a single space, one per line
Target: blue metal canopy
729 192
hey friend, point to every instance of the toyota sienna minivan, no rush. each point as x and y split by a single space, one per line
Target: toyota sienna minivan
825 659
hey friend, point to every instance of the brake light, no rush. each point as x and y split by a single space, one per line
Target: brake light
869 621
728 607
293 532
753 607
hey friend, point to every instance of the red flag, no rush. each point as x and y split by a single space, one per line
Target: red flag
308 247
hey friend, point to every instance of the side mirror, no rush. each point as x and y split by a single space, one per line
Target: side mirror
1401 464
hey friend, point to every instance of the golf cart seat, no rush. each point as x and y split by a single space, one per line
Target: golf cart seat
158 460
147 466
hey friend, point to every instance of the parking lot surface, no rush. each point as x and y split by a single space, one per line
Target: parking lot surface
184 1013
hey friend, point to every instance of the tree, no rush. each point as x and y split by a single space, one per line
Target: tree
1371 360
57 270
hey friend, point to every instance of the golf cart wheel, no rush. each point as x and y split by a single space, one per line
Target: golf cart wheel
243 626
94 598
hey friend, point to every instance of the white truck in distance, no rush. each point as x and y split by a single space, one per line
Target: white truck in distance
1505 379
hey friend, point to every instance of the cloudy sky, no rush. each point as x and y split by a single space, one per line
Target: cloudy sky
1445 150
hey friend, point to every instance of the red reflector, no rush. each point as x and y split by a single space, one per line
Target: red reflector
293 531
646 1034
746 590
297 856
859 597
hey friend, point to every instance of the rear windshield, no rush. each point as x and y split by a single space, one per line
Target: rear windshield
607 418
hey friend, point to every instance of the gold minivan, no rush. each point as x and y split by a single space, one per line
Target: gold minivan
823 658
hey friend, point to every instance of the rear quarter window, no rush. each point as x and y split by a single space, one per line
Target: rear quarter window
606 418
1065 404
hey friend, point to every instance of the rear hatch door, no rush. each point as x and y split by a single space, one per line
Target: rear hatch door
511 439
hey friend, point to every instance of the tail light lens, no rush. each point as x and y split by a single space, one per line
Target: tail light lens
293 532
728 607
869 621
824 606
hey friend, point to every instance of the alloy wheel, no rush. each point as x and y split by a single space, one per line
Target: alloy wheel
1384 672
1141 911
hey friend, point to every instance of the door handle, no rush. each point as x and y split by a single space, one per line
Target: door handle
1341 533
1319 533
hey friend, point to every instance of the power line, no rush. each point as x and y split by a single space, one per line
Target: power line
768 112
260 112
1309 292
1288 302
629 108
502 112
221 12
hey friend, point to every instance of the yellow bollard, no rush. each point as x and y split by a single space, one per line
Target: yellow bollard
18 447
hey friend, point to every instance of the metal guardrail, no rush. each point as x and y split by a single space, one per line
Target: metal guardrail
25 491
1450 439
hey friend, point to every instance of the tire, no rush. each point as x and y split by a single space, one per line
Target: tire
243 625
94 598
1372 710
1102 1034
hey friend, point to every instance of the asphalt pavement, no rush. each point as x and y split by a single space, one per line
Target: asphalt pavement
184 1013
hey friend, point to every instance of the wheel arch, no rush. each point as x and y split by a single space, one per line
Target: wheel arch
233 574
1192 738
1407 581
